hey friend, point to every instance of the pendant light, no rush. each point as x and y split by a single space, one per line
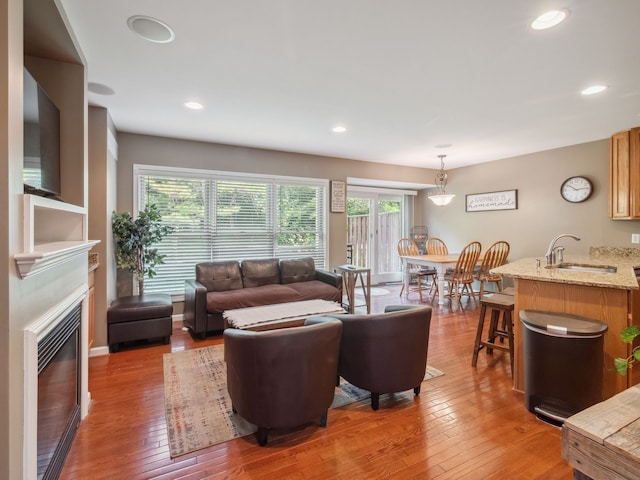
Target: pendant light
441 198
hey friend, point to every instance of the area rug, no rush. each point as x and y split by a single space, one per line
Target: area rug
375 292
198 407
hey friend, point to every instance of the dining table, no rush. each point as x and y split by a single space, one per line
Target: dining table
439 262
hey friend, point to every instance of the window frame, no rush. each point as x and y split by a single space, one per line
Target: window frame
215 175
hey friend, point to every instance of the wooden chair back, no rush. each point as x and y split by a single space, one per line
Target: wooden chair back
407 246
464 270
495 256
435 246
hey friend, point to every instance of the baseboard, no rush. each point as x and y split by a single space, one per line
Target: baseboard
98 351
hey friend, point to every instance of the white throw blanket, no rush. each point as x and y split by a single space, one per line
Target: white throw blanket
247 317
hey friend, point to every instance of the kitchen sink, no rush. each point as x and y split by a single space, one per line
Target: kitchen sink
580 267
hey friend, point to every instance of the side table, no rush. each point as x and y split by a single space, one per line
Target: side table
602 440
350 276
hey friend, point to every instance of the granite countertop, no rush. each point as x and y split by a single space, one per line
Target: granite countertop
624 259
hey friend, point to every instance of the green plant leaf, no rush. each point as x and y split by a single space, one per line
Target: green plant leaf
621 365
133 241
629 333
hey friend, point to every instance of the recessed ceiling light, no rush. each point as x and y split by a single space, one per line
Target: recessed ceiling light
444 145
194 105
549 19
594 89
100 88
339 129
151 29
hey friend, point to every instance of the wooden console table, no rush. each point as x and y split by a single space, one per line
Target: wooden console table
603 441
350 276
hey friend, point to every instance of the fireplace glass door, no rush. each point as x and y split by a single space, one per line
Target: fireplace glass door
58 394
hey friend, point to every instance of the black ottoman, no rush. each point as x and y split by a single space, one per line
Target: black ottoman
139 317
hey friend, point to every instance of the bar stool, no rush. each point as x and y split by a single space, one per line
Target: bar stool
501 306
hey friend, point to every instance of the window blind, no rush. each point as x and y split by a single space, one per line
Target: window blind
226 217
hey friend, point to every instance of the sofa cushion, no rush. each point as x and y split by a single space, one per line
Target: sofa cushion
251 297
256 273
316 289
219 276
297 270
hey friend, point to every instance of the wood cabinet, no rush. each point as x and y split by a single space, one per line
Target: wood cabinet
608 305
634 308
91 305
624 175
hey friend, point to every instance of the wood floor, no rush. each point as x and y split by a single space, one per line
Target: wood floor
466 424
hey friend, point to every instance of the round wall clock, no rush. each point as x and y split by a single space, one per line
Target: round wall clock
576 189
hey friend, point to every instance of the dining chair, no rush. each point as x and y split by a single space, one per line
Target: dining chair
493 257
407 246
435 246
459 281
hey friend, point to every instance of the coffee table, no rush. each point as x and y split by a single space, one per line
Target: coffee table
278 315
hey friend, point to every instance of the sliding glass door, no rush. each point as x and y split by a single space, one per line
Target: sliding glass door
374 226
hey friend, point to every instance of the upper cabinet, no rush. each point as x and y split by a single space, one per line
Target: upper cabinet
624 175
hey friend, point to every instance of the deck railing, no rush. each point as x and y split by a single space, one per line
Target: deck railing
358 237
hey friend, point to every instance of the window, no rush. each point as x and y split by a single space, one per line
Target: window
218 216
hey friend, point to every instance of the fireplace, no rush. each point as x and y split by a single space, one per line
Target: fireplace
56 396
58 393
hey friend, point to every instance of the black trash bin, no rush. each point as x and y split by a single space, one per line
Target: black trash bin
563 363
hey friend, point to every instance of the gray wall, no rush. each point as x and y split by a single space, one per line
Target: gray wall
150 150
102 202
541 213
142 149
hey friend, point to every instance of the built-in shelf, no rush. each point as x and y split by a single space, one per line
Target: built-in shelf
54 233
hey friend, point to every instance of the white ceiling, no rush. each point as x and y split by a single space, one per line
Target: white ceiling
403 76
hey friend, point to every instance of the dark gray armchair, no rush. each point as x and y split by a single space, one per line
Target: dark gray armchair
386 352
283 378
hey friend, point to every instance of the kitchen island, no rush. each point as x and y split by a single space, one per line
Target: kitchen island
611 298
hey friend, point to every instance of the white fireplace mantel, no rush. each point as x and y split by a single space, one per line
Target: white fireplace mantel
50 255
54 233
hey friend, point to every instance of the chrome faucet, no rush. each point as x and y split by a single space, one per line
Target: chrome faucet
554 252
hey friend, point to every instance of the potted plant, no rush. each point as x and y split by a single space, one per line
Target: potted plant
623 364
134 239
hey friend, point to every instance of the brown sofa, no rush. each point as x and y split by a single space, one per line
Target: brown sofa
227 285
283 378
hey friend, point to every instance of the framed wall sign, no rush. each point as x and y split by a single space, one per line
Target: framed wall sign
480 202
338 196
